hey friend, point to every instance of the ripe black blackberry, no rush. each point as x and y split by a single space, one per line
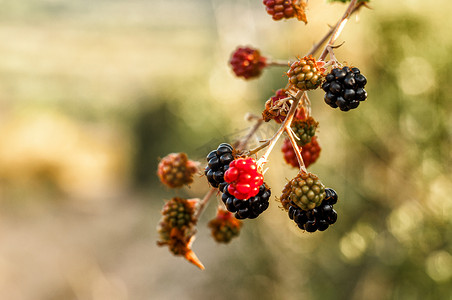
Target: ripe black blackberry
344 88
319 218
217 163
250 208
330 197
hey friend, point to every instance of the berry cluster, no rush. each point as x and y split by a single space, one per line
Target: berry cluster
217 163
250 208
224 227
310 152
319 218
344 88
244 178
238 176
306 73
304 130
176 170
305 191
247 62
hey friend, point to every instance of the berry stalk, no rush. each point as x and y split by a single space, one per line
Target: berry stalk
319 44
203 202
296 149
334 33
286 124
278 63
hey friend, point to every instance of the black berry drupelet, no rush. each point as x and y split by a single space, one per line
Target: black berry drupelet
217 163
344 88
319 218
250 208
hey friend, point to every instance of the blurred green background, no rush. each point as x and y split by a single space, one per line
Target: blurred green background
93 93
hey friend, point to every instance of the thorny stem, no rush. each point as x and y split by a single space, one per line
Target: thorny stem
296 149
338 28
319 44
285 126
334 33
203 202
271 143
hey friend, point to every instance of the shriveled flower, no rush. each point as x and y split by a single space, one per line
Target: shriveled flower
277 107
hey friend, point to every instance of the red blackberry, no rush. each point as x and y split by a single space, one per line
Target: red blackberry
247 62
289 154
344 88
310 152
250 208
306 73
319 218
218 162
286 9
244 178
280 9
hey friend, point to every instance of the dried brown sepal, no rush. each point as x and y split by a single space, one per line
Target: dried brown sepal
300 11
277 107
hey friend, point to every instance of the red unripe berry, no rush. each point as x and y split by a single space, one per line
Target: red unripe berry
280 9
247 62
310 152
244 178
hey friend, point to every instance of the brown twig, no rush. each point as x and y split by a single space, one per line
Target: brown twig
278 63
338 28
271 143
244 142
296 149
319 44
